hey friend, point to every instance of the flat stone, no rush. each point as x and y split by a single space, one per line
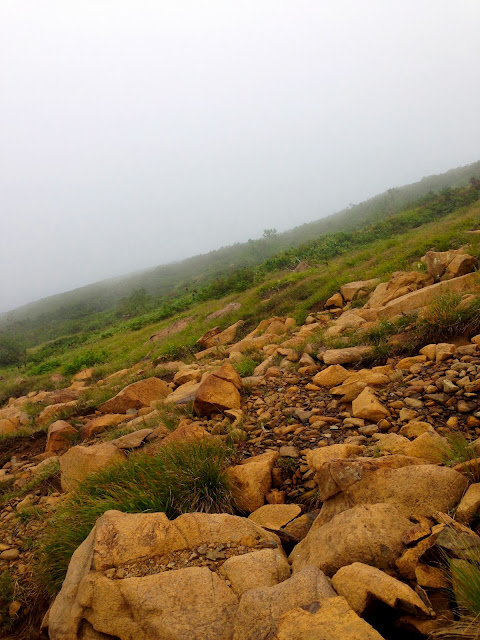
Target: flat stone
275 516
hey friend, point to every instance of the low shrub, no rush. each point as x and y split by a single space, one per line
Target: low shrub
246 366
45 367
182 477
87 359
446 318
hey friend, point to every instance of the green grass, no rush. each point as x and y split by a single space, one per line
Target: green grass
445 318
7 595
183 477
247 365
47 473
459 451
464 574
281 292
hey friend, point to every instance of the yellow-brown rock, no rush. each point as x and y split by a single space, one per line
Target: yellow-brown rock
367 406
335 301
469 506
347 355
367 533
331 376
332 619
418 489
429 446
191 602
252 480
415 428
351 290
275 516
136 395
85 374
218 391
79 462
54 410
101 423
8 426
187 375
261 609
361 585
59 437
264 568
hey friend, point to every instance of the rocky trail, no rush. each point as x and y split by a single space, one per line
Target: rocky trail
355 484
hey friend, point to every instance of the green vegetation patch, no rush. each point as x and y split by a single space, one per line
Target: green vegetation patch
182 477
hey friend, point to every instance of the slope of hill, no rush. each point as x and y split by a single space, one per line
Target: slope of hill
347 425
73 311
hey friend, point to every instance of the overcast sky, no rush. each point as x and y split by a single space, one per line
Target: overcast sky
136 132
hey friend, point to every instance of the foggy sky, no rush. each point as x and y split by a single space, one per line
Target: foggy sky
137 132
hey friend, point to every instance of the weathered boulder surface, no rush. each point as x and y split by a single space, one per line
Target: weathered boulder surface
59 437
264 568
351 290
420 298
372 534
252 480
469 506
188 602
261 609
331 376
330 619
136 395
366 405
420 490
79 462
400 284
362 585
275 516
218 391
336 475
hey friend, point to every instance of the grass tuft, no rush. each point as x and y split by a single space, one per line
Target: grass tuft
182 477
460 451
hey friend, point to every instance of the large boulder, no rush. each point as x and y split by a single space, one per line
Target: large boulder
338 474
59 437
415 300
444 265
330 619
217 338
252 480
459 266
51 412
218 392
136 395
261 609
417 490
332 376
372 534
366 405
401 283
79 462
351 290
133 577
362 586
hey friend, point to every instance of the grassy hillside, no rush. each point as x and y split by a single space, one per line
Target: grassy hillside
98 306
273 287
